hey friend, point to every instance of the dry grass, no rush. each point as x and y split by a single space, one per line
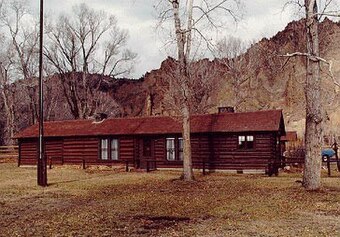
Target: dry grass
113 203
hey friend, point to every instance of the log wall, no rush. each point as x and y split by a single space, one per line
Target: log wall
221 150
77 149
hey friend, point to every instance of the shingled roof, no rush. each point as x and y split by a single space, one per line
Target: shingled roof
290 136
271 120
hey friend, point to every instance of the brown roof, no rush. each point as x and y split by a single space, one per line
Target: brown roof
290 136
271 120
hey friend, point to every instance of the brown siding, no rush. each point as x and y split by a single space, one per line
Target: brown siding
160 154
195 148
228 156
126 148
77 149
28 152
54 151
221 149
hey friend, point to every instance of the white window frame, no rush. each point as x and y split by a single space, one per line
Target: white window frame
170 150
104 149
246 139
241 139
114 147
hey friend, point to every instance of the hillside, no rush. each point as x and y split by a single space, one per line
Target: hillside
256 80
263 79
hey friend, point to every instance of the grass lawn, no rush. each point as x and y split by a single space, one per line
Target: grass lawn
115 203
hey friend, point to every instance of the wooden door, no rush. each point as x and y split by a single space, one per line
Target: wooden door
146 151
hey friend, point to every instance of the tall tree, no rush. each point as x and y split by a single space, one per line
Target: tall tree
8 96
314 113
87 42
314 109
20 31
187 17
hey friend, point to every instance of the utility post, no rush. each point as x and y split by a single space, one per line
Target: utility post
42 164
336 148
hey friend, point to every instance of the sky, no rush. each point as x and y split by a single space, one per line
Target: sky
262 18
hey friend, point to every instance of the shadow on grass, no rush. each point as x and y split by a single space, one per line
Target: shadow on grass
76 180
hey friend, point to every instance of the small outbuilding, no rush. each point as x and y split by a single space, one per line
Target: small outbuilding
226 140
291 141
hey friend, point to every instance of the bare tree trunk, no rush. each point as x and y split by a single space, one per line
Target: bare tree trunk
186 29
32 93
8 100
183 38
187 160
10 115
313 136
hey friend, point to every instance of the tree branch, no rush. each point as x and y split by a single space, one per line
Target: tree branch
314 59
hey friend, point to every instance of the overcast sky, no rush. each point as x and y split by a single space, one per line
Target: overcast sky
262 18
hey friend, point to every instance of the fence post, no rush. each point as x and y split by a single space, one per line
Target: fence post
335 148
329 166
19 159
203 167
84 167
270 169
127 166
147 166
19 154
50 162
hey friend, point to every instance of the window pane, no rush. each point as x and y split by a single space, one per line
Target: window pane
250 142
104 149
250 138
180 148
170 148
241 142
114 149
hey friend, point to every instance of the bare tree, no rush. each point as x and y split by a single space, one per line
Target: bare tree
21 28
204 76
228 51
8 96
314 108
190 19
84 43
314 113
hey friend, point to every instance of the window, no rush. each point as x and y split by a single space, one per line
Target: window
250 142
241 142
104 149
114 149
109 149
170 149
174 148
246 142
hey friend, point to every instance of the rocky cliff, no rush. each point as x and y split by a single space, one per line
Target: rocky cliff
258 79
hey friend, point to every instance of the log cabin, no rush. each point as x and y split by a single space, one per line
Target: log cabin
223 141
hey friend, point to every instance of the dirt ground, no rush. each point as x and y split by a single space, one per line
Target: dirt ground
116 203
